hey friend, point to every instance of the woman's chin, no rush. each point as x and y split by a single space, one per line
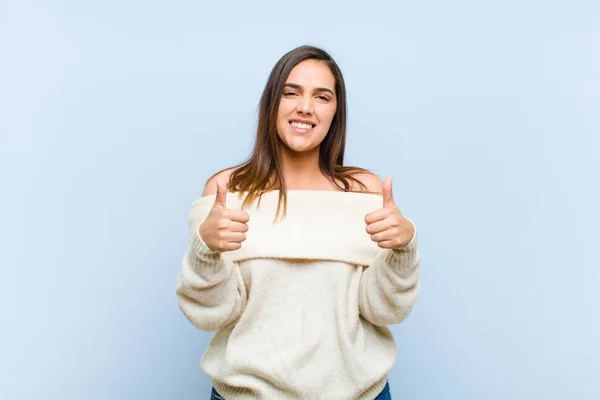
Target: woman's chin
298 143
299 148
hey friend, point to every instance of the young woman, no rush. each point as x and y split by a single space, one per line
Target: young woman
300 300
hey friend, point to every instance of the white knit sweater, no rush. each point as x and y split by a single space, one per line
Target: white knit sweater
300 311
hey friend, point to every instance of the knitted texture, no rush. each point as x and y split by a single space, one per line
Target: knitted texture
301 310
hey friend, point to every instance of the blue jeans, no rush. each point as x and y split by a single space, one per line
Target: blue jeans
384 395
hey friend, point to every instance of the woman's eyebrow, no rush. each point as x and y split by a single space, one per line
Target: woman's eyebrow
296 86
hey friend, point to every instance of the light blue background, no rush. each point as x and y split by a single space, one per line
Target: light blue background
113 114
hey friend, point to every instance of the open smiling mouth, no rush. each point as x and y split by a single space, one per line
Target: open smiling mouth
301 127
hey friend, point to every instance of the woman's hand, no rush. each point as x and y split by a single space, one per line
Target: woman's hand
387 226
224 229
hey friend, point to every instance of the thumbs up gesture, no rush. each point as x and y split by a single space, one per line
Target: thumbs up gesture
387 226
224 229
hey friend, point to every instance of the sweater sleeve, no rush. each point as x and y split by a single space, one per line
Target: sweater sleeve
210 288
389 287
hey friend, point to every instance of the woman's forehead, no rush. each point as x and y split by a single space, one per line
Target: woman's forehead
312 74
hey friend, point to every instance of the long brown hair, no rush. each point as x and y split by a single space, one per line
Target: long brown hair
255 175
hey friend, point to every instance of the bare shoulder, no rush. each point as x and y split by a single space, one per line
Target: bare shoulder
371 181
211 185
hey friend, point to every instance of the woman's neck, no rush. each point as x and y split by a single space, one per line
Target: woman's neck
301 171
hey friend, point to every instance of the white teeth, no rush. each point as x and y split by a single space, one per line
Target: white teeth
301 125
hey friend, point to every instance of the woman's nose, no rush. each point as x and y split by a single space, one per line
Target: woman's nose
305 106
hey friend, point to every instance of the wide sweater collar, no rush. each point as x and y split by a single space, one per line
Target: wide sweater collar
319 225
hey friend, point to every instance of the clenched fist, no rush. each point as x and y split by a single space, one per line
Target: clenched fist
387 226
224 229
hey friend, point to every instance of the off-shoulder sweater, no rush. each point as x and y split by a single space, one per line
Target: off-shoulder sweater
301 309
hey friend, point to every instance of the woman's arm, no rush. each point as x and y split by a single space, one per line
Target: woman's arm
389 287
210 288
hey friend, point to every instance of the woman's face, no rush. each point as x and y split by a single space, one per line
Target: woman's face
307 106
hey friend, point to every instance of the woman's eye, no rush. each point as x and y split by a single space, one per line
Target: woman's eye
289 93
325 98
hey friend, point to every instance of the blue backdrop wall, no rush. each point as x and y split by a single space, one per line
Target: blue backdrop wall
114 114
